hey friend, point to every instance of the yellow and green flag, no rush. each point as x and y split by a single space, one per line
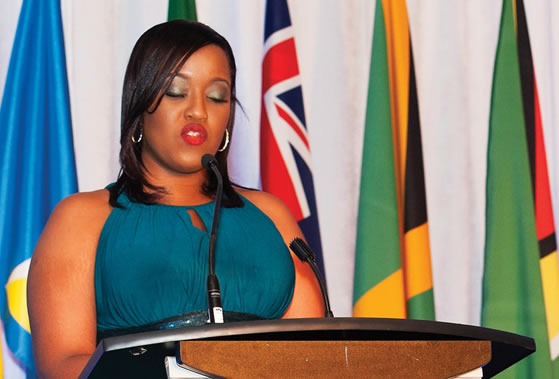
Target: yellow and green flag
392 262
521 274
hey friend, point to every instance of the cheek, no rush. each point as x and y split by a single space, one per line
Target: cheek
156 136
222 117
159 123
150 131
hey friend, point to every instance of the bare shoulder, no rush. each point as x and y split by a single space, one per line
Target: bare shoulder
88 209
76 221
271 205
72 231
85 203
276 210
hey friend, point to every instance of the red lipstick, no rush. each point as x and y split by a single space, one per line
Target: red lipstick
194 134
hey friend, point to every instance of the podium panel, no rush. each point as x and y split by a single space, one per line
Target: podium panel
335 359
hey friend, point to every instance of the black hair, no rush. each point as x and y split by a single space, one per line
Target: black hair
156 59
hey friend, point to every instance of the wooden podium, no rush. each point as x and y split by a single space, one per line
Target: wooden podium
320 348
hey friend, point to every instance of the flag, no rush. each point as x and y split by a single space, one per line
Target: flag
182 10
392 260
285 154
36 157
513 297
545 226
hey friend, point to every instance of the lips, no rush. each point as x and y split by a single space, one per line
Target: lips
194 134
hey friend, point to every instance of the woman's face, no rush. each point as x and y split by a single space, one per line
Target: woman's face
191 119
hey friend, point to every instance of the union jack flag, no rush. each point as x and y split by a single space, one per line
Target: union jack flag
285 153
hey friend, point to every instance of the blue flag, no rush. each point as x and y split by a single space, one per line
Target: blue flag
36 156
285 155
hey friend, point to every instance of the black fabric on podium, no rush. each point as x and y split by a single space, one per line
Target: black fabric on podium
181 321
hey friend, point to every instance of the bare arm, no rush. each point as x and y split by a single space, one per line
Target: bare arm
60 291
307 298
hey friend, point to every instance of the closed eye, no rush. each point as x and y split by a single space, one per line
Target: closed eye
217 99
172 93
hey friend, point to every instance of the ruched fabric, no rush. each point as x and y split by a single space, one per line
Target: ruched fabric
152 264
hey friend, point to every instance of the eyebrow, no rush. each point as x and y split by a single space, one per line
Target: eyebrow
217 79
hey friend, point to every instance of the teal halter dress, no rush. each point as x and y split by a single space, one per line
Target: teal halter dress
152 264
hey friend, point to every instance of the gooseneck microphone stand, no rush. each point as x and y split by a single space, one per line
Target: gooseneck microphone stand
212 284
305 254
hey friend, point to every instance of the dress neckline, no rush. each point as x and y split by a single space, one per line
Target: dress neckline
125 199
203 205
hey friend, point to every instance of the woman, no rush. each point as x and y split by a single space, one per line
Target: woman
135 253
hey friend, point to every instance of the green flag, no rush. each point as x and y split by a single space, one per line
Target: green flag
378 225
512 286
182 10
392 259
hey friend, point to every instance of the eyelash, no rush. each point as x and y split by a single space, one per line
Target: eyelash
174 95
181 95
216 100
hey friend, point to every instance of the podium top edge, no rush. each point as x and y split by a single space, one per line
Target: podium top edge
414 329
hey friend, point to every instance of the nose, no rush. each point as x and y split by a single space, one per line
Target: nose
195 107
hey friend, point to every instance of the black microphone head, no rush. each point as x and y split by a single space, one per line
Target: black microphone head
298 247
208 160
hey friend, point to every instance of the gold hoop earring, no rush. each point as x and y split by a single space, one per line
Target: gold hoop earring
226 141
140 137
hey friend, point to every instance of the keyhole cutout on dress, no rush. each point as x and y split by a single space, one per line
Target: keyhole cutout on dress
196 220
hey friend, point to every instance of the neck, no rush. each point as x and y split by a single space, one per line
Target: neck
181 189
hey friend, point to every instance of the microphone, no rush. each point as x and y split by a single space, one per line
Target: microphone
212 283
305 254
